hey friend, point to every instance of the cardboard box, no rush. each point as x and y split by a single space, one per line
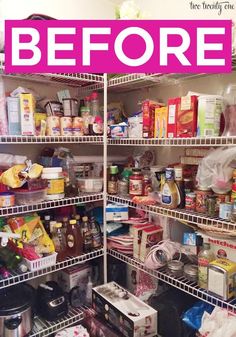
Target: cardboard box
116 212
13 113
137 235
27 110
124 311
160 125
74 276
187 117
173 106
148 110
150 237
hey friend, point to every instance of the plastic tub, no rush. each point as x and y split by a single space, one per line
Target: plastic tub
44 262
90 185
26 197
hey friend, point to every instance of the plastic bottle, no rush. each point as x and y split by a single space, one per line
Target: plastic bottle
169 191
65 223
46 223
74 243
96 233
59 241
94 109
205 256
87 235
112 187
180 184
89 288
87 102
52 227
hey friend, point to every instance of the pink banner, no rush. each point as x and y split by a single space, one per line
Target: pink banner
118 46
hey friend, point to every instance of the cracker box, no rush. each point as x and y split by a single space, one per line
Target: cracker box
173 106
125 312
187 117
117 212
160 127
27 110
13 114
150 237
148 110
137 235
74 276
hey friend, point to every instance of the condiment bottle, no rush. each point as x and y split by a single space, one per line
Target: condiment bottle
188 185
96 233
136 183
59 241
180 184
169 191
94 107
123 184
74 243
112 187
87 235
205 256
46 224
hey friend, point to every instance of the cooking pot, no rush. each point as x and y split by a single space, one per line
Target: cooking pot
16 311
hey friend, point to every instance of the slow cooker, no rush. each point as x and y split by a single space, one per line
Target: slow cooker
16 311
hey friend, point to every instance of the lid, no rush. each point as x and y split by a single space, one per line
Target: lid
6 194
65 219
72 222
77 217
52 102
70 99
188 179
191 269
52 170
191 194
47 217
175 265
53 222
58 225
85 218
204 188
126 173
14 300
136 171
113 169
25 190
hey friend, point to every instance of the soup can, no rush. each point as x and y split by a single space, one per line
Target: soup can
190 201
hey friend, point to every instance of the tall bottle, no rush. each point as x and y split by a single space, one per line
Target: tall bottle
205 256
180 184
96 233
46 223
65 223
169 191
74 243
112 187
87 235
58 239
94 104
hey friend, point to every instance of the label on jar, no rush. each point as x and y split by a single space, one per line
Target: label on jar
70 240
190 201
201 197
166 196
55 186
135 187
112 187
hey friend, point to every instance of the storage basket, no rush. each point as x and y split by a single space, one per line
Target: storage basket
44 262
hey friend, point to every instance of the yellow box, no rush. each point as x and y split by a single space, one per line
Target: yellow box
27 111
160 126
222 278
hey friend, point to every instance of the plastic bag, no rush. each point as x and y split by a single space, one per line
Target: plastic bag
215 171
193 316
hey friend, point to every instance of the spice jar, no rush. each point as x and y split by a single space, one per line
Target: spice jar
211 205
201 196
147 185
175 268
191 272
136 183
112 187
188 185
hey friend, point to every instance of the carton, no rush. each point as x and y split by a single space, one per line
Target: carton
74 276
173 106
148 110
137 235
13 113
27 110
187 117
150 237
125 312
160 126
117 212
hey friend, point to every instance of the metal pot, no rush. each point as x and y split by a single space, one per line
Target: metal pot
15 311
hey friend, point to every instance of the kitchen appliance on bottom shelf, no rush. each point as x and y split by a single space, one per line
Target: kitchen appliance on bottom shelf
52 302
16 317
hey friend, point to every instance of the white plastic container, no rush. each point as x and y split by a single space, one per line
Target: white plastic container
135 127
42 263
90 185
56 182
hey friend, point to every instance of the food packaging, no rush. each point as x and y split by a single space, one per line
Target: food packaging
7 199
119 131
173 106
53 126
137 234
115 212
27 111
187 117
74 276
148 109
25 197
40 121
55 181
14 117
53 108
70 107
135 127
66 126
124 311
150 237
78 126
160 126
90 185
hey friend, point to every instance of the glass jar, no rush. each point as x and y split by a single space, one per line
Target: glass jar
175 268
136 183
211 205
230 111
191 272
202 193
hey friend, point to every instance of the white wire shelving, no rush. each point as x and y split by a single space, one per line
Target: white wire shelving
199 219
44 328
96 140
81 199
181 283
189 142
16 278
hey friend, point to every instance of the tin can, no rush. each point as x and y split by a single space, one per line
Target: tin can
66 126
190 201
201 196
7 199
221 199
78 126
211 205
225 210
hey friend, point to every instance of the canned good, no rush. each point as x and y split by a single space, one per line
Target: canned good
221 199
66 126
7 199
78 126
201 196
175 268
190 201
211 205
191 272
225 210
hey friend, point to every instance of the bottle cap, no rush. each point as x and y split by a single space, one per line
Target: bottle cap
94 95
58 225
72 222
47 217
65 219
85 218
113 169
77 217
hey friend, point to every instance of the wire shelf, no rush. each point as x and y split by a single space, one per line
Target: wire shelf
199 219
181 283
97 140
195 141
16 278
44 328
84 198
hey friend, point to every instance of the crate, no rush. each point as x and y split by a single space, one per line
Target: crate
42 263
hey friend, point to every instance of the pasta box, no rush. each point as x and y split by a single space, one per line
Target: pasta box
148 110
124 311
115 212
187 117
173 106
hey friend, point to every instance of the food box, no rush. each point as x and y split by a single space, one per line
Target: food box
190 160
160 127
150 237
116 212
124 311
148 110
137 231
13 113
197 152
27 110
73 277
173 106
119 131
187 117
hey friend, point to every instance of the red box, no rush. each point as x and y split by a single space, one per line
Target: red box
173 106
187 117
148 109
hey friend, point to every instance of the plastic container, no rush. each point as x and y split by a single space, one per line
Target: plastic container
26 197
70 107
66 126
230 111
53 126
7 199
42 263
54 108
56 182
90 185
78 126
